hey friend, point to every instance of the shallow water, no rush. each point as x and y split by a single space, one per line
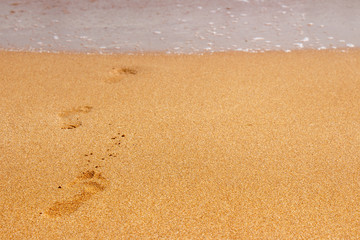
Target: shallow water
110 26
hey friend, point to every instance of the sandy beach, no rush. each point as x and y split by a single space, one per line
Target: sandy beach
155 146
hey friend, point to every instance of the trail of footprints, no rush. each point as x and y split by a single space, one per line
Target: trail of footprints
89 182
71 119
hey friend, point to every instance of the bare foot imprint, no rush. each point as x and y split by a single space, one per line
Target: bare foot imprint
70 118
118 74
89 183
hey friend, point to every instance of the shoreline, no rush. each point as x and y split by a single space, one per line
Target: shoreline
166 53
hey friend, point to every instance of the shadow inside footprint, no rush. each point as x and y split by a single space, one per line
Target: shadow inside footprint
67 207
70 122
89 183
118 74
70 119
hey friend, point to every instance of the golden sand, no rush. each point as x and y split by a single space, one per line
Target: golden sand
222 146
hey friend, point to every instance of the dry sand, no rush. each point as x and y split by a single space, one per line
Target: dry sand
222 146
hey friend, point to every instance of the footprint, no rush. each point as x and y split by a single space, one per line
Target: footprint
118 74
70 118
88 183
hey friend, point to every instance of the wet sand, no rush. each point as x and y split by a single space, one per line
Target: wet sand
221 146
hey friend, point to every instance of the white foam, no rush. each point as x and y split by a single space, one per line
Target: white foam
305 39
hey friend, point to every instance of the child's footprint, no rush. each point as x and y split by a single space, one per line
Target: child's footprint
88 183
118 74
70 118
